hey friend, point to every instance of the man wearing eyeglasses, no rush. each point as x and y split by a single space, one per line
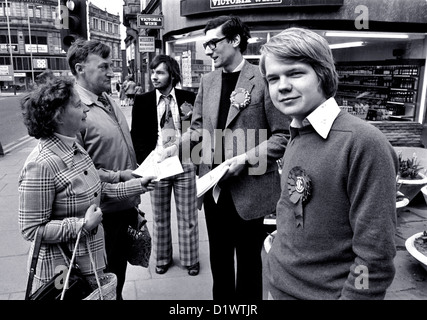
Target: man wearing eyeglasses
234 101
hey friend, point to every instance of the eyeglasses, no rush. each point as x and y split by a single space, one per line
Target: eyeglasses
212 43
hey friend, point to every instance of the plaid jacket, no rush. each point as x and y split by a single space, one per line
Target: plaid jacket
56 186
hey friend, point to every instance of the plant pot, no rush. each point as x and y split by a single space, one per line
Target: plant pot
411 187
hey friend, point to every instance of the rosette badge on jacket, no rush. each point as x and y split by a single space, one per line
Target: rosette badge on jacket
186 110
240 98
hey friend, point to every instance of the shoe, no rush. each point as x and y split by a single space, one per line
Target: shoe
163 269
194 269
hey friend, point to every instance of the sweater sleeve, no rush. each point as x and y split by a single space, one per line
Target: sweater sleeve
372 191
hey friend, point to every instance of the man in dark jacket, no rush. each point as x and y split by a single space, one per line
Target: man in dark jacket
158 118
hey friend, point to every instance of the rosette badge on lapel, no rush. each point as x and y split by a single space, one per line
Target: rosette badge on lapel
300 189
240 98
186 110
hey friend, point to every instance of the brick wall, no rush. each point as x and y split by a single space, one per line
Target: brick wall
401 133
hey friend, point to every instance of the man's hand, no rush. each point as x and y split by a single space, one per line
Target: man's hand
168 152
237 164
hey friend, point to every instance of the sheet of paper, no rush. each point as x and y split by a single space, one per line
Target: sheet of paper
210 179
151 167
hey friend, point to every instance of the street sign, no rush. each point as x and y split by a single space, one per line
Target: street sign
146 44
150 21
6 73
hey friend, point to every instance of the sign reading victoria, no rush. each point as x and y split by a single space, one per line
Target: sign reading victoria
193 7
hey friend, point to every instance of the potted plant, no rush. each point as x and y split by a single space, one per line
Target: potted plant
410 179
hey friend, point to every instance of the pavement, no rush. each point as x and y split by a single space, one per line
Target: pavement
410 282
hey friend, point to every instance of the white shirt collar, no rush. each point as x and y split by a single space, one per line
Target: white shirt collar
159 94
238 68
323 117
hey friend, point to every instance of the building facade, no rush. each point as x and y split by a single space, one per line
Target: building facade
105 27
35 40
33 54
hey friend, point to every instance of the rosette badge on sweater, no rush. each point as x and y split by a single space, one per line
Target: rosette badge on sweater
300 190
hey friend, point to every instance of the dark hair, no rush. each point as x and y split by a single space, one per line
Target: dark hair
303 45
172 67
80 50
231 26
41 107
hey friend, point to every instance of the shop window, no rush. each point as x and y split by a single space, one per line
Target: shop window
189 52
381 74
254 44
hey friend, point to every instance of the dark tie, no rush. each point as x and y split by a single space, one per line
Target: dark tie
104 101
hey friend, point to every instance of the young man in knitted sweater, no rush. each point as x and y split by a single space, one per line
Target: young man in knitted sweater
336 215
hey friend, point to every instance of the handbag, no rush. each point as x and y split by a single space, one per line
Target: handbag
139 249
75 286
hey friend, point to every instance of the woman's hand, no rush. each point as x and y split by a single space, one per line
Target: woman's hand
148 183
93 217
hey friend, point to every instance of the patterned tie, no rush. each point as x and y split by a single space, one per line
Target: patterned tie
167 118
167 124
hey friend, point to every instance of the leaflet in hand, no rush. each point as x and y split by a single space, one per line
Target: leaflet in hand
210 179
151 167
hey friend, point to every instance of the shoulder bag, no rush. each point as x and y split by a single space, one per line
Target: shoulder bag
139 249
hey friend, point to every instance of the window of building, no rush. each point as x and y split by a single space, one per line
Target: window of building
26 64
3 10
381 73
41 40
18 63
33 40
116 29
38 12
110 27
95 24
54 12
102 25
